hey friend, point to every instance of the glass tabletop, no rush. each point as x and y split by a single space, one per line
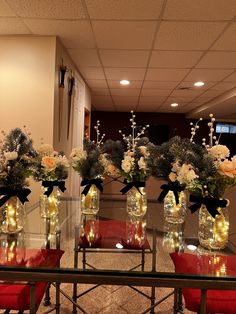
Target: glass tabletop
173 254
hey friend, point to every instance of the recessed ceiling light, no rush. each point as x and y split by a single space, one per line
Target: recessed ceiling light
124 82
174 104
199 84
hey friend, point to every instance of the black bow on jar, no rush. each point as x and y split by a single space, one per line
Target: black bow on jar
49 185
175 188
211 204
136 184
7 193
89 182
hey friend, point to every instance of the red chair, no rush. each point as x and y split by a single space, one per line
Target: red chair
16 296
218 301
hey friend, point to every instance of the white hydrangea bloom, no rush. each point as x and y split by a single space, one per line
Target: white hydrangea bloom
144 151
186 174
45 150
77 154
62 160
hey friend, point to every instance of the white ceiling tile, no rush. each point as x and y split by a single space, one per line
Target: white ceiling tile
156 92
124 9
92 73
85 57
186 93
147 107
116 84
160 85
200 10
100 91
74 34
99 100
52 9
166 74
97 83
218 60
124 35
125 92
101 107
179 99
187 35
124 73
224 86
174 59
125 107
152 99
231 78
125 100
5 9
227 39
212 93
207 75
9 26
124 58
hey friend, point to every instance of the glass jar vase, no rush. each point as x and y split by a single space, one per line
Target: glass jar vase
90 201
13 216
175 213
49 205
136 202
213 232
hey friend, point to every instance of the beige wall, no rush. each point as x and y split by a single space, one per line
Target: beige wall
26 84
26 89
29 95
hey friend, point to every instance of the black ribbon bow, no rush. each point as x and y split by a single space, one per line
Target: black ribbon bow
136 184
50 184
8 193
211 204
89 182
175 188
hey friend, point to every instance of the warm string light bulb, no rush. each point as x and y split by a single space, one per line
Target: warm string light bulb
131 139
194 128
99 141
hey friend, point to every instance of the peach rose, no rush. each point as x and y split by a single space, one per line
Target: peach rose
227 168
49 163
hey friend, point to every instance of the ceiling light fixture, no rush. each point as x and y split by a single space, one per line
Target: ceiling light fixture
199 84
174 104
124 82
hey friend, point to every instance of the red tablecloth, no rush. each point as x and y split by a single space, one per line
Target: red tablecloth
17 296
218 301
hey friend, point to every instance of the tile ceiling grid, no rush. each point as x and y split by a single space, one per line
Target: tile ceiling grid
98 53
195 65
150 52
207 19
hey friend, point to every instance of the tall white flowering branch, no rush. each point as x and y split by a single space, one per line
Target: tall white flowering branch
131 139
212 137
194 128
99 141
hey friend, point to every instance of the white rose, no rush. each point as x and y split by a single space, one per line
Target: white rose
142 164
127 164
219 151
45 149
10 155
